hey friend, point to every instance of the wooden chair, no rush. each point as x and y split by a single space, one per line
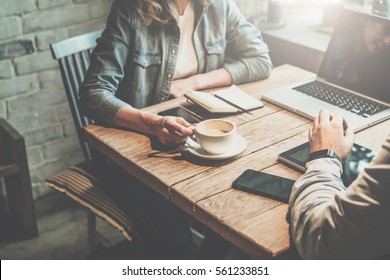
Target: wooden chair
78 182
14 170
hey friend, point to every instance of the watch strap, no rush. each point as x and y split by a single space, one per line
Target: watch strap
326 153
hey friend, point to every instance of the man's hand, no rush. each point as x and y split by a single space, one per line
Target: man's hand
331 132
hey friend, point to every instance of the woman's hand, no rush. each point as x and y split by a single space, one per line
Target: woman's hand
173 130
217 78
167 129
181 86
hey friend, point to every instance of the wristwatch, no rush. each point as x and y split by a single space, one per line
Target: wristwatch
327 153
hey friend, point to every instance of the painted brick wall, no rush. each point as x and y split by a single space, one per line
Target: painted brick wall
32 97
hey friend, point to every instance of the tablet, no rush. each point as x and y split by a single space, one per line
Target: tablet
182 112
359 158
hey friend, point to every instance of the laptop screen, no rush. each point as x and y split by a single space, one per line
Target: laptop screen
358 55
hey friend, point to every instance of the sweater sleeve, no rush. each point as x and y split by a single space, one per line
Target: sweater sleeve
329 221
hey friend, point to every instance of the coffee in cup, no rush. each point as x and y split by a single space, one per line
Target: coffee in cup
215 136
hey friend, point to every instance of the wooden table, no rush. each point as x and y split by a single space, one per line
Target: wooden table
202 188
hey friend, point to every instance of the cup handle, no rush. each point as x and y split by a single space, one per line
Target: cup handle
193 138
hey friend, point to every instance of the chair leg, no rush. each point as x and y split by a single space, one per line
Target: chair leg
91 230
94 237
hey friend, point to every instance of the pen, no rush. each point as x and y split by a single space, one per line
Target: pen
232 104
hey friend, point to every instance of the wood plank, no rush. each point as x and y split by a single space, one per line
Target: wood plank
261 221
251 218
266 229
18 184
374 136
6 130
203 188
261 152
9 169
210 199
134 151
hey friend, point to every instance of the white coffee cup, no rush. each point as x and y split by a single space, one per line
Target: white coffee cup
215 136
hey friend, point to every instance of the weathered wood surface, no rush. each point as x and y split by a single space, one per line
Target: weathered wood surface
203 188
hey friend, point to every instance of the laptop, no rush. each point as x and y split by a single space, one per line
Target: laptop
354 76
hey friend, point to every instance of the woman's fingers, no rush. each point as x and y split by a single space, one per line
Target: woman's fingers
178 125
174 130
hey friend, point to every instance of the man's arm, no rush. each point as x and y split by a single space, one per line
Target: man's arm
329 222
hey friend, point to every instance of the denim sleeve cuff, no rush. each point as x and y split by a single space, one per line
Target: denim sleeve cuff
236 72
109 110
250 69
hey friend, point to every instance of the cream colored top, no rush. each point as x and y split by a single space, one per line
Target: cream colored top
187 62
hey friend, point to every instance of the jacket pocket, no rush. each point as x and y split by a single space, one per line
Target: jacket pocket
215 53
146 68
146 58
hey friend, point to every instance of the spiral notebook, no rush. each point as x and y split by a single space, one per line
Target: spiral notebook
230 100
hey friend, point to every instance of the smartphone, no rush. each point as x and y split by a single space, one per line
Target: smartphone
264 184
180 112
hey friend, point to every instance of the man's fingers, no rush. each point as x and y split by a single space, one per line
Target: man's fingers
316 122
338 119
345 124
324 117
310 133
349 135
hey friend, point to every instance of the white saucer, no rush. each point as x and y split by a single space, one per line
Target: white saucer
238 147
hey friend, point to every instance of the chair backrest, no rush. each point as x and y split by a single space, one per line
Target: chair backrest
73 57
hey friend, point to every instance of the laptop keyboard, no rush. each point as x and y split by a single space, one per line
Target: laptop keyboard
341 98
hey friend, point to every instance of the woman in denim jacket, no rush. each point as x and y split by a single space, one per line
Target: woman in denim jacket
154 50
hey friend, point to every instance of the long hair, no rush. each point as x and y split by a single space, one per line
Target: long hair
160 11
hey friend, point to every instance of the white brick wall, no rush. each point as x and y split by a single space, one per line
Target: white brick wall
36 62
45 4
17 85
10 27
32 96
55 18
10 7
45 38
6 69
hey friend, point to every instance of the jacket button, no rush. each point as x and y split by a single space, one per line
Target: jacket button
173 51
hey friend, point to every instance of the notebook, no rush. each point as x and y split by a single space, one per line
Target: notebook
354 76
224 101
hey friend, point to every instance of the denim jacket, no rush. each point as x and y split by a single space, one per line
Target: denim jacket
134 63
